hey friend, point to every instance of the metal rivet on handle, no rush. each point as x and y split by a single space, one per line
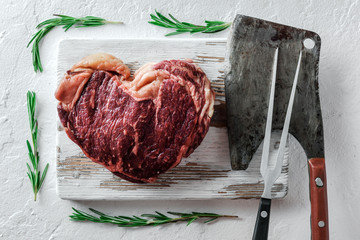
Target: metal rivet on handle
319 182
321 224
264 214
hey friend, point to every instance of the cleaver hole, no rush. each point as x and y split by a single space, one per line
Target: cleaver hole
309 43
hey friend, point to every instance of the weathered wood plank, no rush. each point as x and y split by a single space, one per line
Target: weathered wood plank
206 174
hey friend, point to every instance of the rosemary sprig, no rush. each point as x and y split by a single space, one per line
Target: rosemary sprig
145 219
34 172
183 27
60 20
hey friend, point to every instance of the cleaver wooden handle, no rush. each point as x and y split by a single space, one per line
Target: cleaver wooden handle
318 198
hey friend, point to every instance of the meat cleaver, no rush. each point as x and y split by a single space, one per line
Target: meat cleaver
251 46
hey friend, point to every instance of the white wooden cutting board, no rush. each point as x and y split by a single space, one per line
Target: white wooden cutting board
206 174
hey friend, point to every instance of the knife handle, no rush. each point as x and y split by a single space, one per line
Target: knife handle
262 221
318 198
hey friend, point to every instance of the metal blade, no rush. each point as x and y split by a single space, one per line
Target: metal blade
306 124
248 84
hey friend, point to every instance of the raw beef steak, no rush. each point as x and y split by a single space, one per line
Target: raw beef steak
137 128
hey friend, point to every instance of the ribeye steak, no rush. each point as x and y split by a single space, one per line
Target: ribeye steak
137 128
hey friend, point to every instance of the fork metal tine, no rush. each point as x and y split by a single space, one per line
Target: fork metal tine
285 132
271 174
266 146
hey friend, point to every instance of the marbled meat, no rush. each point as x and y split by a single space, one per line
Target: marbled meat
137 128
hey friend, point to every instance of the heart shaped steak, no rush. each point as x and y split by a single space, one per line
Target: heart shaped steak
137 128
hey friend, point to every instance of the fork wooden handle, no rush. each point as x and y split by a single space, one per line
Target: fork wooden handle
318 198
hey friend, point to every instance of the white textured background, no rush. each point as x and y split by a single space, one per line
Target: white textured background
338 24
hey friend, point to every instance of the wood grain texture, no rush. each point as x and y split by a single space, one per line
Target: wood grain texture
206 174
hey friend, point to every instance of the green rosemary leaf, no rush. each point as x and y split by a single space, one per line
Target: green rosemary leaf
173 18
33 38
176 213
173 33
197 213
29 175
192 31
31 155
184 30
47 22
38 179
161 214
89 25
66 22
217 28
191 25
213 28
35 130
153 17
213 23
97 212
67 27
62 16
82 216
163 18
149 215
124 217
29 168
44 175
93 18
159 21
138 219
210 220
191 220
